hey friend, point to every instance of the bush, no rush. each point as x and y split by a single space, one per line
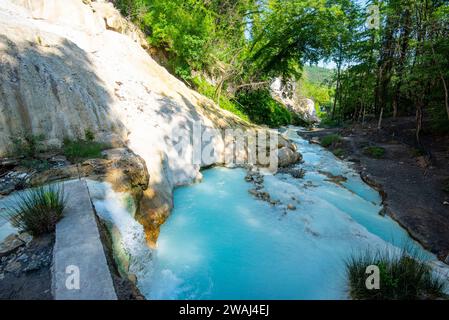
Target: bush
329 140
89 135
79 150
375 152
205 88
37 211
403 276
261 108
183 30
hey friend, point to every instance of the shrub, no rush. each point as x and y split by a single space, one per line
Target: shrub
79 150
183 30
89 135
38 210
329 140
375 152
261 108
205 88
403 276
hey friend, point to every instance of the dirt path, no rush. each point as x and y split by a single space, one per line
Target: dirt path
411 181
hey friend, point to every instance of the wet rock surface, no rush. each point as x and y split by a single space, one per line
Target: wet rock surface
13 180
25 272
10 244
294 171
254 177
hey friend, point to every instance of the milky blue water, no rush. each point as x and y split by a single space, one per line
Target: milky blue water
221 243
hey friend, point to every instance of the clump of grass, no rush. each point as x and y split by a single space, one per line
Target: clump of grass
375 152
78 150
339 152
403 276
329 140
37 210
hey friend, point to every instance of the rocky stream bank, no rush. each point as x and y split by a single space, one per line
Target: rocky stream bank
410 180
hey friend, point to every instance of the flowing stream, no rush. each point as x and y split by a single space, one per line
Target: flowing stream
220 242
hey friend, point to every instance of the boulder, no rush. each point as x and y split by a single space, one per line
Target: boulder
287 157
114 21
25 237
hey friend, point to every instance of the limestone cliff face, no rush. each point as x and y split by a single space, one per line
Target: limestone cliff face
71 66
285 93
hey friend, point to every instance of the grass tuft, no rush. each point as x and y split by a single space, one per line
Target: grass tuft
329 140
375 152
339 152
403 276
79 150
37 210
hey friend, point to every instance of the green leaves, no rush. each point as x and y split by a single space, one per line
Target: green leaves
263 109
404 275
396 67
294 32
38 210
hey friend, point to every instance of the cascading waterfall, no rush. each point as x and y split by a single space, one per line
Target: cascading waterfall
130 248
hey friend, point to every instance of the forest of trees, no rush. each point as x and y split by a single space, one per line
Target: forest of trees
390 58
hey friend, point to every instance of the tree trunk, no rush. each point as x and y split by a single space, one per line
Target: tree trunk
395 106
363 116
337 92
446 95
379 124
418 121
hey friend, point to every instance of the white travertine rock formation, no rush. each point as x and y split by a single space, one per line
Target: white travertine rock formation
285 93
65 68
